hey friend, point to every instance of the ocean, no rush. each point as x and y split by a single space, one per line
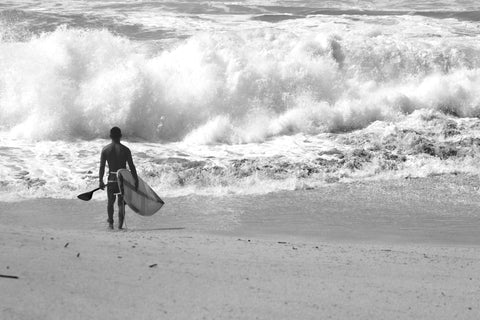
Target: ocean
237 98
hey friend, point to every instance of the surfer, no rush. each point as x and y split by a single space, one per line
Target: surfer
117 156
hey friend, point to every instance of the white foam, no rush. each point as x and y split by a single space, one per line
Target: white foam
77 83
256 108
423 143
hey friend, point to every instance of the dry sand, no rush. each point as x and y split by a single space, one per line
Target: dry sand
67 270
175 274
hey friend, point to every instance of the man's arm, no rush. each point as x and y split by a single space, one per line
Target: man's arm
101 172
133 170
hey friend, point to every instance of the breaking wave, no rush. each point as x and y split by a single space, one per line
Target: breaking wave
423 144
230 87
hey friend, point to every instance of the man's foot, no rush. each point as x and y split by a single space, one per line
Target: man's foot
110 226
120 222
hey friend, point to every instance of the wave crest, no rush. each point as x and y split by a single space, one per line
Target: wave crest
225 87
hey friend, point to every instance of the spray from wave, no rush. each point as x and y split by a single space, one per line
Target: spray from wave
231 87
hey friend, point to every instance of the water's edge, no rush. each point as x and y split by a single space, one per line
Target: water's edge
442 210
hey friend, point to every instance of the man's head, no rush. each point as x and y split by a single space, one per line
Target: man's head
115 133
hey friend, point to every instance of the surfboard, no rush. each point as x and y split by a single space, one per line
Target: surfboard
144 200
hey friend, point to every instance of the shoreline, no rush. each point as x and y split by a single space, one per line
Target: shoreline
435 210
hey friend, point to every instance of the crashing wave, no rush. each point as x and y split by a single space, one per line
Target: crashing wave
231 87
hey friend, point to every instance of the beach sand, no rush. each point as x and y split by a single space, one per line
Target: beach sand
221 261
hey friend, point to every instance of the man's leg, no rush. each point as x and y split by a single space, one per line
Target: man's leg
111 202
121 211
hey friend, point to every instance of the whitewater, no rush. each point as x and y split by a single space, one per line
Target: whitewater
237 97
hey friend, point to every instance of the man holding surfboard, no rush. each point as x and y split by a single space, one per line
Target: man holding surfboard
117 156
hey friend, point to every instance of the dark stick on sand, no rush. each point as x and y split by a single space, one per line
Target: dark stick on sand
7 276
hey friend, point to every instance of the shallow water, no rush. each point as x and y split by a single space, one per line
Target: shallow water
439 210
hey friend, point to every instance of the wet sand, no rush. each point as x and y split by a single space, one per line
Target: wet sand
398 254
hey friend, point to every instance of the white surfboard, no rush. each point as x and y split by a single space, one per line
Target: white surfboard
144 200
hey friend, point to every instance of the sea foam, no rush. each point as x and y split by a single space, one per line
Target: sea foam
226 87
247 110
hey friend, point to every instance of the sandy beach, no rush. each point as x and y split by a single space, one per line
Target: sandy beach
173 274
178 266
